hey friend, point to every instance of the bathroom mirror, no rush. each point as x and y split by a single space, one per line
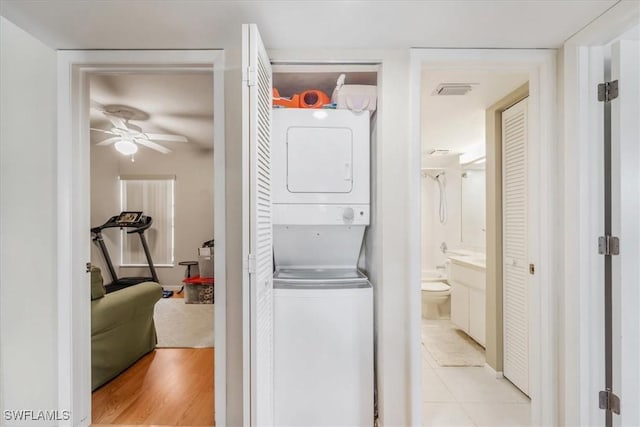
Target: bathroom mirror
472 209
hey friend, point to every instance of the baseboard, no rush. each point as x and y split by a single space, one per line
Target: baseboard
497 374
174 288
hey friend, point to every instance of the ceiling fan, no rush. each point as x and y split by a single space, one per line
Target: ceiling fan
127 136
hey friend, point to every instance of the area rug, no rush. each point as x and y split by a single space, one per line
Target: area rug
183 325
450 346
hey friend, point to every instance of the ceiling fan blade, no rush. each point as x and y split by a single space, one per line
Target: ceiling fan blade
166 137
103 131
117 121
152 145
109 141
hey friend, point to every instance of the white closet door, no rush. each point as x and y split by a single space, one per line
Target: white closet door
625 208
514 245
257 83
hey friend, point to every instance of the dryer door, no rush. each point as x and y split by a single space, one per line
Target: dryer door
319 160
320 157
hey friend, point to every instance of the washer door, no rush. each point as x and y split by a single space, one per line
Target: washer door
320 278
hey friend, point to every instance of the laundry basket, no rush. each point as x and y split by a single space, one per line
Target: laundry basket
198 290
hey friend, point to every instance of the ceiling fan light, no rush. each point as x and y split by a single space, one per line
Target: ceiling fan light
126 147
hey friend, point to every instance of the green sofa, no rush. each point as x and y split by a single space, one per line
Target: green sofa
122 327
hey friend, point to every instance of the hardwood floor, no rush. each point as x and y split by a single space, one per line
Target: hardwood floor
167 387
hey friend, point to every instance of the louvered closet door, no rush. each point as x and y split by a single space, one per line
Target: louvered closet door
514 246
257 120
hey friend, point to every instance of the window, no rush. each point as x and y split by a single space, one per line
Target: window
154 196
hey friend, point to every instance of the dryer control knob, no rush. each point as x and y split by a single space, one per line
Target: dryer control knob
347 214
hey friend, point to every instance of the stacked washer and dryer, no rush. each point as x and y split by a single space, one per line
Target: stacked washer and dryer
323 305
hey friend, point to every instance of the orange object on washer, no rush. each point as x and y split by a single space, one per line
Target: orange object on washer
313 98
293 102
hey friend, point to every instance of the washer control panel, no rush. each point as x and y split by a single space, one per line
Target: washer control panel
321 214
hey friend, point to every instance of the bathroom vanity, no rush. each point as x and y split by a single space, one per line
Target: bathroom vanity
467 278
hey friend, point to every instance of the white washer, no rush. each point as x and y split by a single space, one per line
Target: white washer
323 348
320 156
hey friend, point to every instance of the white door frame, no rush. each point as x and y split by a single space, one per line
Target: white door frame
73 251
541 68
582 298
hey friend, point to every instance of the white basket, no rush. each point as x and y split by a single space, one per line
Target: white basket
357 97
205 262
205 266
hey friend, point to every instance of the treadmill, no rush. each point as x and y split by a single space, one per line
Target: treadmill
138 223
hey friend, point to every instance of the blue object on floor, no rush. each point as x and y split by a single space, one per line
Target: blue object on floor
167 294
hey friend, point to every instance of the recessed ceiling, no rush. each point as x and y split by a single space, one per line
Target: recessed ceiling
457 122
200 24
179 104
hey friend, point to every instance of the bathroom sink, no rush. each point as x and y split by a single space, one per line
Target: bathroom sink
477 259
470 258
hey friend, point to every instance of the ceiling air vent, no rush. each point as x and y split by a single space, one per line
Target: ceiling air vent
453 89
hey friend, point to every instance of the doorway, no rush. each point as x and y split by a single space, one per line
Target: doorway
152 153
440 177
78 69
462 311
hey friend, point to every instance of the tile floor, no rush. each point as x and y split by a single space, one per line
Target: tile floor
469 396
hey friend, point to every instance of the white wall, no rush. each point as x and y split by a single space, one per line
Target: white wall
26 98
28 292
194 212
236 381
388 256
395 379
433 232
473 207
105 201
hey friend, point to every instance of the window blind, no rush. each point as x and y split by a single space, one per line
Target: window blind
154 195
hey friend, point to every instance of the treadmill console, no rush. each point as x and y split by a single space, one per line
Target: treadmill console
129 218
134 220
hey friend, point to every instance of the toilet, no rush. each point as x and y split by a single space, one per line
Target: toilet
436 302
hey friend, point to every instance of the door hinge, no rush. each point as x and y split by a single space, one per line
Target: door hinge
251 263
609 401
608 245
607 91
249 76
532 269
88 266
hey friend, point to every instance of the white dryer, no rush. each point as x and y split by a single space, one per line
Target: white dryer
320 156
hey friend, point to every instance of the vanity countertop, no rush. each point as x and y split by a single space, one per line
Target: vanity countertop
476 260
